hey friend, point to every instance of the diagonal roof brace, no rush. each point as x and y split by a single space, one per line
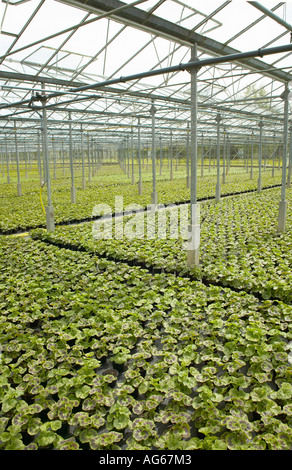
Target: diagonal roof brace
174 68
142 20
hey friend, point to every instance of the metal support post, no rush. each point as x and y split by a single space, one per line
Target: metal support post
228 155
63 157
283 203
2 163
188 155
140 186
251 158
160 154
50 218
82 157
25 159
224 158
274 152
132 155
73 189
194 227
88 157
128 157
154 191
92 158
39 159
261 125
54 157
218 186
19 190
246 153
171 162
202 157
210 147
7 161
290 159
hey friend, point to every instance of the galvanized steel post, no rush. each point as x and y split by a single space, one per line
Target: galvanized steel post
274 152
73 189
251 158
218 186
132 155
290 159
188 155
7 160
259 187
19 190
283 203
160 155
154 191
224 158
50 218
194 226
82 159
140 187
88 157
202 157
171 163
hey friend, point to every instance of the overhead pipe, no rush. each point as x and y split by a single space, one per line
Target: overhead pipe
272 15
193 64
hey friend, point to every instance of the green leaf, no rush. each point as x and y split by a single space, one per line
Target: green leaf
45 438
284 393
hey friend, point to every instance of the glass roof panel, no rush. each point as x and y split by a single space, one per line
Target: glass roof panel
61 44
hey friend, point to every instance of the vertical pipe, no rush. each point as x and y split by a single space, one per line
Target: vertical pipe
218 186
39 158
25 159
202 157
154 191
140 187
290 159
160 154
224 158
170 156
73 189
194 226
188 155
88 157
247 153
54 156
274 151
63 157
19 190
132 155
92 158
251 158
228 155
283 203
210 154
50 223
7 161
128 157
259 188
2 162
82 159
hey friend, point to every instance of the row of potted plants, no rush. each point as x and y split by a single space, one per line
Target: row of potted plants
25 212
240 246
97 354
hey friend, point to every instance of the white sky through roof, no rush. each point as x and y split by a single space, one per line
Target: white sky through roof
107 48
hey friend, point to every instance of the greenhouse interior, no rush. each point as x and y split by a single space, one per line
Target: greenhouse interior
145 226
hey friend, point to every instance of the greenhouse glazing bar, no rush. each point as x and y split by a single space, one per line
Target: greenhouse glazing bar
197 64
